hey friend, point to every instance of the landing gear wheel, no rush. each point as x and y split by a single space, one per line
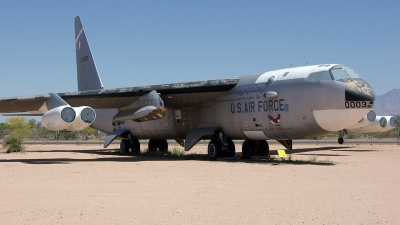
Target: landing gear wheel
340 141
124 146
163 146
135 146
231 149
248 149
153 145
263 148
290 144
214 149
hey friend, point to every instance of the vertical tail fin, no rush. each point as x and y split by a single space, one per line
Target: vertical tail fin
88 77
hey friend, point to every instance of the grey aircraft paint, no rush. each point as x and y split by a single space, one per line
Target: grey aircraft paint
286 104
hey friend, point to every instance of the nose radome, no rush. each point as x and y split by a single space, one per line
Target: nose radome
359 90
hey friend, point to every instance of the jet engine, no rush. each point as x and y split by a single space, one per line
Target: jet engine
391 123
380 124
69 118
366 120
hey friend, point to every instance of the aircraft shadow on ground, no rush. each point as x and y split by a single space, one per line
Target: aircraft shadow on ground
314 151
116 157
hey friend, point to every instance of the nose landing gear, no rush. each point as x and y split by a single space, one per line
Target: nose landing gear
342 133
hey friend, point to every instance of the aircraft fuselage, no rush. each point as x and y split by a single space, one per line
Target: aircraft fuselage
293 106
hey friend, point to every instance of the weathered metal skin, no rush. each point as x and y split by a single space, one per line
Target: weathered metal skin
245 113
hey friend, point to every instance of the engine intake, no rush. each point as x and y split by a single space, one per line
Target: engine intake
68 118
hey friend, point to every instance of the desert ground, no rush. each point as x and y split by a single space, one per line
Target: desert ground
86 184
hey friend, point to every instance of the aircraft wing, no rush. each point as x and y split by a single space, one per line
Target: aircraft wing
174 95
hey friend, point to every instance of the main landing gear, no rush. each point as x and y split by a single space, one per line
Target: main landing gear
254 148
221 147
160 145
130 143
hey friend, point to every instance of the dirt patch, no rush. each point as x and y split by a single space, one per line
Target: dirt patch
81 184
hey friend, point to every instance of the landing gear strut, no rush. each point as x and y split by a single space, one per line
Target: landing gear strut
221 146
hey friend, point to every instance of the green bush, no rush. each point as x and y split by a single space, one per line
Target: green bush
13 142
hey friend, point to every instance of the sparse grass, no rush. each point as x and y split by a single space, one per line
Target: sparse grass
176 151
313 158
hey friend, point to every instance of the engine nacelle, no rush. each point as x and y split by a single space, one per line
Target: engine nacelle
376 126
69 118
85 116
391 123
367 119
381 124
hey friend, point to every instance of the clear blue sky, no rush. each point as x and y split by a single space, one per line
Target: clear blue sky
153 42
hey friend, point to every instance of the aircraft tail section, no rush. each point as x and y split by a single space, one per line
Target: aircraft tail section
88 77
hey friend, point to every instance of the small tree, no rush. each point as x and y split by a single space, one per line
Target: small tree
19 128
87 132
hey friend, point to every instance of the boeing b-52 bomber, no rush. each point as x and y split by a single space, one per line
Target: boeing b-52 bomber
285 104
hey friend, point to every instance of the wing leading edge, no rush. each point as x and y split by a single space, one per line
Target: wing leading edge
174 95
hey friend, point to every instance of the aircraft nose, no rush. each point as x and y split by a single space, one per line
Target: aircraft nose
359 90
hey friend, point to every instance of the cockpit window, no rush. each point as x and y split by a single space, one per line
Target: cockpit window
318 76
326 76
341 72
338 73
351 72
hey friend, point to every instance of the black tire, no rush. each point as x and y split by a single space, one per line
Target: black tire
248 149
214 149
135 146
163 146
153 145
124 146
263 148
290 144
231 149
340 141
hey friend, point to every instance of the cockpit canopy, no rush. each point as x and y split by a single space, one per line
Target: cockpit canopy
338 72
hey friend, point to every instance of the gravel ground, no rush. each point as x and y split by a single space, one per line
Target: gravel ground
85 184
